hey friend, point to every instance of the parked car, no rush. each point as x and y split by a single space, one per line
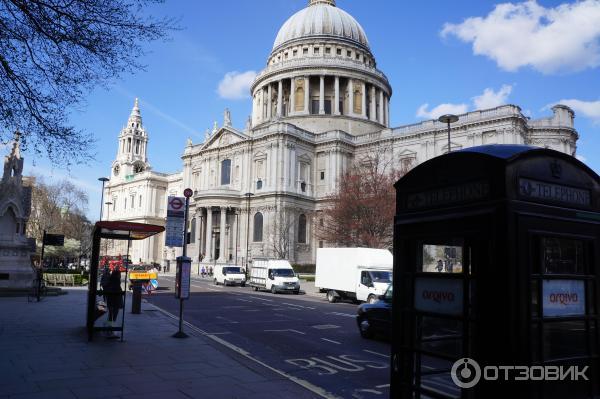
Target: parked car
359 274
229 275
376 318
275 275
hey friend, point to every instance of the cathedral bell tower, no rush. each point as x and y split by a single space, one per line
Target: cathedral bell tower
132 156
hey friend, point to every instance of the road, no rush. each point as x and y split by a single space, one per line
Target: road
310 340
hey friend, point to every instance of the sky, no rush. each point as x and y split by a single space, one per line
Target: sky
439 56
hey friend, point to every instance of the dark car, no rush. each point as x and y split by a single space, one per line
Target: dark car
376 318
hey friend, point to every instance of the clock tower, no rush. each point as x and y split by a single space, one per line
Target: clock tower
132 156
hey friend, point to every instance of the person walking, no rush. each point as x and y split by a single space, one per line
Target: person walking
203 272
114 298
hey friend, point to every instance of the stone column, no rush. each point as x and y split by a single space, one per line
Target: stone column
350 97
263 111
336 105
380 118
208 252
280 99
269 101
364 100
386 108
322 95
373 104
223 242
293 97
306 94
199 223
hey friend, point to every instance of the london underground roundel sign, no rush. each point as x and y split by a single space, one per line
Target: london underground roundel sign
187 193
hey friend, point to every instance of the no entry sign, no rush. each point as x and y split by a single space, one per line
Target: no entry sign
187 193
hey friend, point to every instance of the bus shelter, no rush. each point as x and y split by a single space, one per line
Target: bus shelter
497 276
116 231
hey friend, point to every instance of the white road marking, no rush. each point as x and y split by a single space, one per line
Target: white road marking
262 299
332 341
299 306
286 330
243 300
251 310
382 386
342 314
375 353
228 320
325 326
213 289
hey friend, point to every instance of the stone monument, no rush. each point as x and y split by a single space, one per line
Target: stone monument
16 270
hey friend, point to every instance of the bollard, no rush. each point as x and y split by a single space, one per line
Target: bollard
136 302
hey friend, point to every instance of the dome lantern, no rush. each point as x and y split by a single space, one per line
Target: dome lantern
315 2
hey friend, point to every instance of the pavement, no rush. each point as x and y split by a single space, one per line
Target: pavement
45 354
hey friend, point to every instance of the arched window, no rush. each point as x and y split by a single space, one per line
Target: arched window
225 172
302 229
258 227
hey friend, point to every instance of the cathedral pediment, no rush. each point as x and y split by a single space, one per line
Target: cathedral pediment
224 137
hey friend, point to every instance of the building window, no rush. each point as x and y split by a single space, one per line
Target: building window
285 56
125 204
349 53
327 50
132 201
358 56
140 203
302 229
258 227
305 50
303 186
225 172
259 184
295 53
320 244
114 204
321 222
322 175
316 51
339 51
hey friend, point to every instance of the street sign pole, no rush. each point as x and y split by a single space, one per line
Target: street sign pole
183 268
40 269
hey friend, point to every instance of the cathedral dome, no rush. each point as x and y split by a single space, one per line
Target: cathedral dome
321 19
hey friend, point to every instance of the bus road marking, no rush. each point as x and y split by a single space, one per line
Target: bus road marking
376 353
332 341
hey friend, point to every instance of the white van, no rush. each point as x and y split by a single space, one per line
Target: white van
273 275
229 275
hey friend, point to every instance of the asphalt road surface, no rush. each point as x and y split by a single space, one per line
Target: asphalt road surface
310 340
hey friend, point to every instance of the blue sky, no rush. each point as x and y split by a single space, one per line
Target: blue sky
438 55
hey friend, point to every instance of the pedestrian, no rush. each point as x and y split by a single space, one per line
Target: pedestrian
440 266
210 271
114 298
203 272
104 280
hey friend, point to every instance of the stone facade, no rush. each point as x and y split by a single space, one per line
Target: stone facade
16 249
319 105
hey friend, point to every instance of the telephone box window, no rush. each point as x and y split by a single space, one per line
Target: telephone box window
442 259
562 256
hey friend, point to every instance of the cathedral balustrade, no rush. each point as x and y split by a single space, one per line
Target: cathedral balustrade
331 62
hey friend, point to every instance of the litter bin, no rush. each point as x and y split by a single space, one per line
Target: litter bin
136 302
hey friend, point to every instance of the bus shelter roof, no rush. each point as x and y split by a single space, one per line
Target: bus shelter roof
117 230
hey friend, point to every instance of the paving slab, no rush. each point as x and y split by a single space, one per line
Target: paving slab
45 354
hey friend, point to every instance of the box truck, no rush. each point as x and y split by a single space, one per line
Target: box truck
274 275
361 274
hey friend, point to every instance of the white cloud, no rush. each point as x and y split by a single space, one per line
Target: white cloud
561 39
488 99
589 109
440 110
236 85
491 98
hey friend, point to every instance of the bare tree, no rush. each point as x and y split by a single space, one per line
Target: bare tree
361 212
52 52
282 227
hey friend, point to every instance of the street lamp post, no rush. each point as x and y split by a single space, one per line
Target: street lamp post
248 195
103 180
108 204
449 118
214 243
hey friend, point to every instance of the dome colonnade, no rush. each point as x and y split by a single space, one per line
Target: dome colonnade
321 64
